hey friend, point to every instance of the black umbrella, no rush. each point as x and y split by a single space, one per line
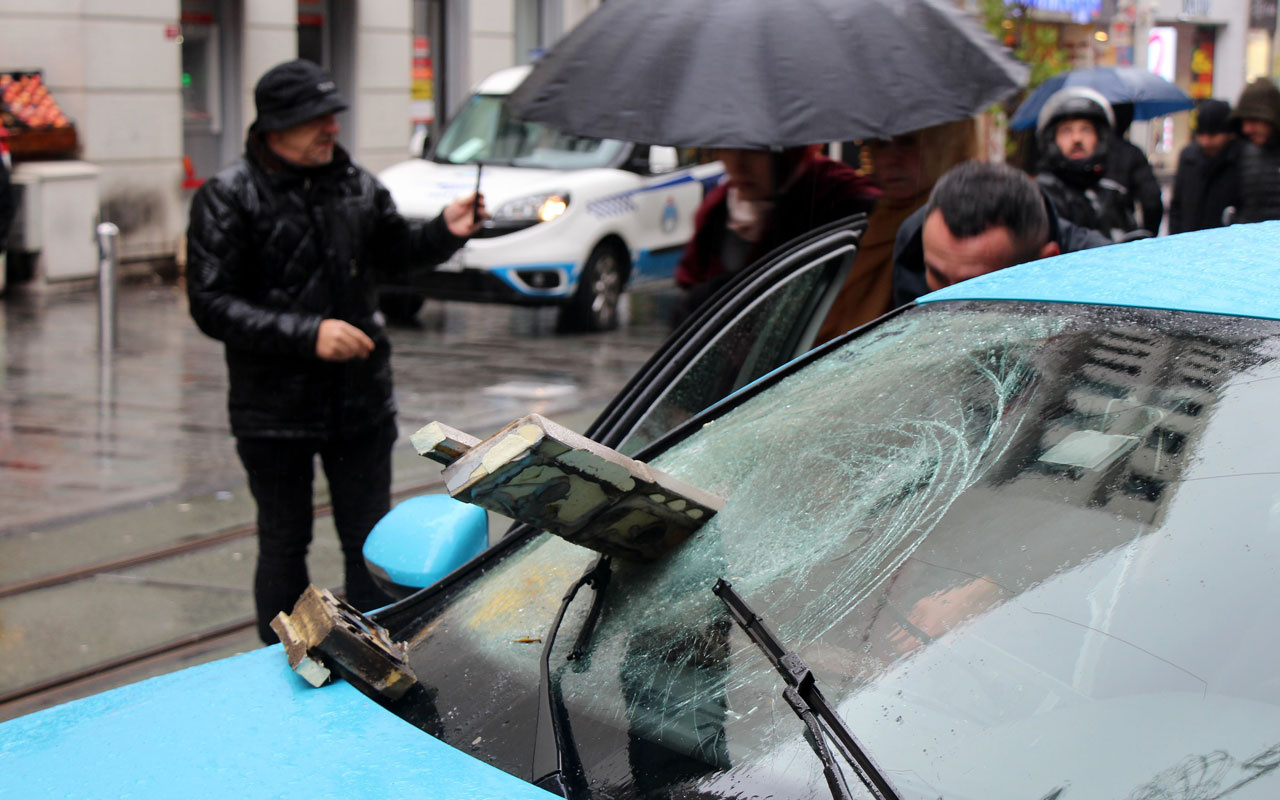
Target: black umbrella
767 73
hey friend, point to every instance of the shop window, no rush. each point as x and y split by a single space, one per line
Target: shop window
200 78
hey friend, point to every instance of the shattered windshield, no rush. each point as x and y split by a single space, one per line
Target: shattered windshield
1028 550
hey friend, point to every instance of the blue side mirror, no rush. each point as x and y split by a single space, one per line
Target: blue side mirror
422 540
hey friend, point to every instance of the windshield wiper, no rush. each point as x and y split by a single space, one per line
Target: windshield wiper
557 766
804 697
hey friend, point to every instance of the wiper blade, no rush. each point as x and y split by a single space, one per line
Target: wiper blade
557 765
804 697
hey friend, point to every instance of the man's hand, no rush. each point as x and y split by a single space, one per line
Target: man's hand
458 215
341 341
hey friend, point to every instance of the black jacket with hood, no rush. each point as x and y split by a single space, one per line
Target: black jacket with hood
1259 166
1205 187
275 249
1128 166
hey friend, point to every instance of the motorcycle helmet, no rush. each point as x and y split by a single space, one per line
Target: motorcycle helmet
1075 102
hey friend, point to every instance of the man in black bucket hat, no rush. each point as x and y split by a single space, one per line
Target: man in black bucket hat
283 247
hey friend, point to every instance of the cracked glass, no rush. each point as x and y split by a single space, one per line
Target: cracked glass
1027 550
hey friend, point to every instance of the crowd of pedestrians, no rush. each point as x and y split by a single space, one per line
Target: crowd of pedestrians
940 217
283 246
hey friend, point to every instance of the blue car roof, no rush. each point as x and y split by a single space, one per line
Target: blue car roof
243 727
1233 270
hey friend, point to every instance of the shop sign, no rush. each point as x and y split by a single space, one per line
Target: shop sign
1079 10
1202 64
1262 15
1196 8
1162 55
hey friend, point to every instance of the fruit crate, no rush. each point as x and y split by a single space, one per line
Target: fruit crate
36 126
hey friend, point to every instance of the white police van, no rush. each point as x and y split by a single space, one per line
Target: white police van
576 220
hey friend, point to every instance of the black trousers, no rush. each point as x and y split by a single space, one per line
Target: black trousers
281 473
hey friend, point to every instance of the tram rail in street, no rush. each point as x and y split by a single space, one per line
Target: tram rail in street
116 671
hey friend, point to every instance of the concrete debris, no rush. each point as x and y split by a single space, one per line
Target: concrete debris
538 472
325 635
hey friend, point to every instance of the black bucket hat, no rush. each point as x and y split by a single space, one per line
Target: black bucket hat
292 93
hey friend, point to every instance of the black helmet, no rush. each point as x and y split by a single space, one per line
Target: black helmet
1075 102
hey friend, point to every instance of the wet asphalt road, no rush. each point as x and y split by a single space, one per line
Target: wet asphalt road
99 462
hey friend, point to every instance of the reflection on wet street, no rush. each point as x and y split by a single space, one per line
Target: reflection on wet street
126 528
77 436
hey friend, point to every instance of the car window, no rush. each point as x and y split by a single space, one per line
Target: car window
773 329
484 130
1028 551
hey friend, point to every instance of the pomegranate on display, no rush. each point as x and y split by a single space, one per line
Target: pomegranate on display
26 103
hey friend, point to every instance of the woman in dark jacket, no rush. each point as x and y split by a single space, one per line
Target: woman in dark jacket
767 199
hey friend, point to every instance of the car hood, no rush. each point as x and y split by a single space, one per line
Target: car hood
422 188
244 727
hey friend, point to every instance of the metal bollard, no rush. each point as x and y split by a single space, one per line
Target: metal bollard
107 235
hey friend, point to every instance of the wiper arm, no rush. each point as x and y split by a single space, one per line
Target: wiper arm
804 697
557 765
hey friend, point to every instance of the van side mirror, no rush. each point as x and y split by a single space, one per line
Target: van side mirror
663 159
653 159
422 540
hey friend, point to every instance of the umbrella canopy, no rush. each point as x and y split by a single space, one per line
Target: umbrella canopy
1150 94
766 73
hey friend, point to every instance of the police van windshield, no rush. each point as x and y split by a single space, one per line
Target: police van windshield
485 131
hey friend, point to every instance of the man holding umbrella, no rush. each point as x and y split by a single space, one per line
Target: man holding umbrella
768 199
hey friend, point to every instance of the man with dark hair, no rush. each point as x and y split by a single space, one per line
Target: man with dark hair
1206 187
981 217
283 250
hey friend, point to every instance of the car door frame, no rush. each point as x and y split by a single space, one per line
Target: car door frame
697 334
691 339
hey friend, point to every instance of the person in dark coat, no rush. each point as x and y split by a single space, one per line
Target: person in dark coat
283 247
980 217
1074 132
1128 166
1206 186
767 199
1257 118
7 207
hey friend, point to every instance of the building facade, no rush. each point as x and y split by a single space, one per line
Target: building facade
161 91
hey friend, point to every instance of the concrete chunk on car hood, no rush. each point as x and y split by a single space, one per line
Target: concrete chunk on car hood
538 472
244 727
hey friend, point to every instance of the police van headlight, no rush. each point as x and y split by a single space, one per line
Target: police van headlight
533 209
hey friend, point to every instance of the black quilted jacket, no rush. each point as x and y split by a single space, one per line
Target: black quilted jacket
1260 182
272 251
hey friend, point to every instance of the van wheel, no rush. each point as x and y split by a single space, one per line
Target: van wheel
402 308
594 306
